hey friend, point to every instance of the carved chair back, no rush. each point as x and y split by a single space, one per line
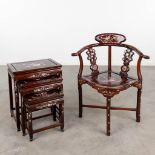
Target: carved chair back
111 40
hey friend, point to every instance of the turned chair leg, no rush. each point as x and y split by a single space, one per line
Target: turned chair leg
80 99
30 125
138 105
108 115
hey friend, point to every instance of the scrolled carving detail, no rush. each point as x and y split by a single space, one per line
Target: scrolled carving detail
108 92
128 57
92 57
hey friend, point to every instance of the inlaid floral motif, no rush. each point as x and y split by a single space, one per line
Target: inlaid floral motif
110 38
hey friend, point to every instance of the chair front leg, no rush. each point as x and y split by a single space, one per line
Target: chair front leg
80 99
108 115
139 92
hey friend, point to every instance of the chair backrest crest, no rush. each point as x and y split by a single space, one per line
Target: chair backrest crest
110 38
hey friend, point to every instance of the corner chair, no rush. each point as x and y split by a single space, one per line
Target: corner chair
110 83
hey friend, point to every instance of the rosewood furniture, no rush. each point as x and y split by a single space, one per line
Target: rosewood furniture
40 81
36 98
110 83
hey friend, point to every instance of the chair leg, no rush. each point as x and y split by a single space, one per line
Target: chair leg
80 99
108 115
61 117
138 105
54 112
30 125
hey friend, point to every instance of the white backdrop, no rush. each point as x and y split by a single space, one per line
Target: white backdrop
34 29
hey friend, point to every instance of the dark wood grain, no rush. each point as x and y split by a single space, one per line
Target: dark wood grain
39 84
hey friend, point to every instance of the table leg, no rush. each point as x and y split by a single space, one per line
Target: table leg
10 94
17 106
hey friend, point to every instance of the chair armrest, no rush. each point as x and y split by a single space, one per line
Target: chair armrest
146 56
74 54
139 74
84 48
80 51
81 62
136 50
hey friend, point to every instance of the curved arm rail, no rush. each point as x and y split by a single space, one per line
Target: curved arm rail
120 45
136 50
85 48
141 55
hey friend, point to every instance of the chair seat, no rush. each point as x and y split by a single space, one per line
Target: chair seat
109 81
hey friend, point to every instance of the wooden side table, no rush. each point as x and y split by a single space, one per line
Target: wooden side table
36 71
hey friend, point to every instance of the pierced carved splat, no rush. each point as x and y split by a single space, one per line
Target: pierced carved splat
126 61
92 57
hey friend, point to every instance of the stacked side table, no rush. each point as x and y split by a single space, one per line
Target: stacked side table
38 85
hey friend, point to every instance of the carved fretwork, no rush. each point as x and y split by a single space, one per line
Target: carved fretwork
108 92
126 61
92 57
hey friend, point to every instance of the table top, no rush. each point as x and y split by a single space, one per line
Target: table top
34 65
